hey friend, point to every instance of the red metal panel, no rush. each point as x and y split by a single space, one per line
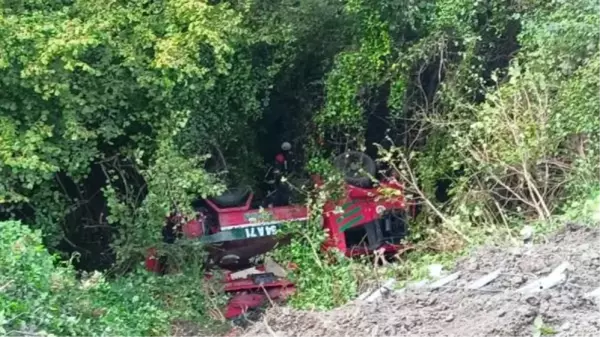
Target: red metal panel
240 303
152 264
193 229
361 207
247 284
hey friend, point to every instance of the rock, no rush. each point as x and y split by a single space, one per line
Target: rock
533 301
530 313
431 301
449 318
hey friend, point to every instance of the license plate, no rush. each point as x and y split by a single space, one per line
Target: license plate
242 233
260 231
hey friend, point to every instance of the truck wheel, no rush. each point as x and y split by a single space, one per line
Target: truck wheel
357 168
232 197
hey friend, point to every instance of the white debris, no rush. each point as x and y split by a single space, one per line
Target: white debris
244 273
444 281
273 267
556 277
364 295
485 279
435 271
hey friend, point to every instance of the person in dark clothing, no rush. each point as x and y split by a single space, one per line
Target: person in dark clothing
170 233
281 191
284 157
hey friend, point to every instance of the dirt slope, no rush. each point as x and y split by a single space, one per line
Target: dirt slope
494 310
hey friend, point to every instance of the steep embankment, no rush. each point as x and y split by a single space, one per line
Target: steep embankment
500 308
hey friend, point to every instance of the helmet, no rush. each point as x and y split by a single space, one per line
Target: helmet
285 146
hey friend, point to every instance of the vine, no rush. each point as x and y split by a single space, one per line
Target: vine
354 71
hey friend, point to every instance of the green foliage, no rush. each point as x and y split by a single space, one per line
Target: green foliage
522 137
540 124
356 70
90 82
542 329
586 210
324 280
40 294
415 265
172 182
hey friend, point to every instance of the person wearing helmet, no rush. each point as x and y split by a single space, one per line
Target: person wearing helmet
281 194
281 164
283 157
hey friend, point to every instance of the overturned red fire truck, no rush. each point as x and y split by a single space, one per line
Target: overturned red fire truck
363 220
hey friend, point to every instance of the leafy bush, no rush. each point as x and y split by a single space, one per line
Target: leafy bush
520 140
40 294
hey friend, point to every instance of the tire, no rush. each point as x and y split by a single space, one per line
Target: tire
232 197
357 168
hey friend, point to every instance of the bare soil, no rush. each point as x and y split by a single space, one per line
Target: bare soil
494 310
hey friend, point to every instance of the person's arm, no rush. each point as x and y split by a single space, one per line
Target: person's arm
269 176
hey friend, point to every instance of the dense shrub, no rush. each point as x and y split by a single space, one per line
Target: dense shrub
41 294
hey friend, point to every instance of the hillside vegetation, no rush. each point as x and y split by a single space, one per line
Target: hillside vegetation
486 110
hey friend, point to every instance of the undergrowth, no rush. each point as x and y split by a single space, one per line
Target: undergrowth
323 280
41 294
